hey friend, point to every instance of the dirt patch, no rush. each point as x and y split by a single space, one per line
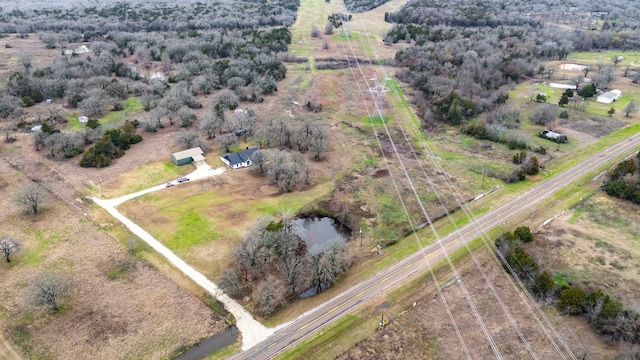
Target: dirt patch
594 245
113 311
593 125
425 331
571 67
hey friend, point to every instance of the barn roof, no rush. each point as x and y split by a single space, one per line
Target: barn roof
194 153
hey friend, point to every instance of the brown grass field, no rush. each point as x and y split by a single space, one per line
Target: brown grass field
119 306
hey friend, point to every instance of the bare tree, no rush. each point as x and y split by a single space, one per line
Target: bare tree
94 103
270 295
231 282
26 62
329 264
32 197
90 135
606 76
296 271
50 291
550 71
226 141
630 108
210 124
544 114
318 144
8 246
315 31
251 256
188 139
225 99
187 116
328 28
53 143
259 159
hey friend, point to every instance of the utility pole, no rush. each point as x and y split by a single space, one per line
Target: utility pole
483 173
100 182
378 91
360 236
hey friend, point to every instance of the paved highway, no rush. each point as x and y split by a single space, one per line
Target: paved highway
310 322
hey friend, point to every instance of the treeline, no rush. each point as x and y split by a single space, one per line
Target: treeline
606 315
242 65
466 55
273 264
624 180
358 6
95 18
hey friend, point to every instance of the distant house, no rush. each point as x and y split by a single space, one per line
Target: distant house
553 136
82 49
187 156
83 119
240 159
562 86
609 97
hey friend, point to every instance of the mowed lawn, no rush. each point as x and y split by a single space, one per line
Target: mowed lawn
202 221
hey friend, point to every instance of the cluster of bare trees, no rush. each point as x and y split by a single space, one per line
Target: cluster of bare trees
358 6
93 19
475 50
286 170
273 264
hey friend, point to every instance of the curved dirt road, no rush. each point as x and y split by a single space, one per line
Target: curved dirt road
253 332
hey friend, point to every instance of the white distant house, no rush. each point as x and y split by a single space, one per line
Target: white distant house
609 97
240 159
562 86
82 49
37 128
83 119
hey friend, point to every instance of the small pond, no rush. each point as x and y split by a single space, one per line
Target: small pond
208 346
318 232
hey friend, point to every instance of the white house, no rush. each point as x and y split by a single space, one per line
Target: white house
562 86
609 97
83 119
240 159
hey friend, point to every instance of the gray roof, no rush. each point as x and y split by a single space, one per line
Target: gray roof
240 157
189 153
611 94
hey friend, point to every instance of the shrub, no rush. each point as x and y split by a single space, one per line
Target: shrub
524 234
571 300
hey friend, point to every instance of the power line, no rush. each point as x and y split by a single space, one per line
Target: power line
471 217
466 293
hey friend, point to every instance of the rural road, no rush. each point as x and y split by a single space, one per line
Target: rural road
315 319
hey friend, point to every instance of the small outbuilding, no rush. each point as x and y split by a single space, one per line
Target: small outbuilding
187 156
609 97
553 136
83 119
240 159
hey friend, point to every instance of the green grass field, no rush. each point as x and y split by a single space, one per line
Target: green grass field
112 119
182 218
